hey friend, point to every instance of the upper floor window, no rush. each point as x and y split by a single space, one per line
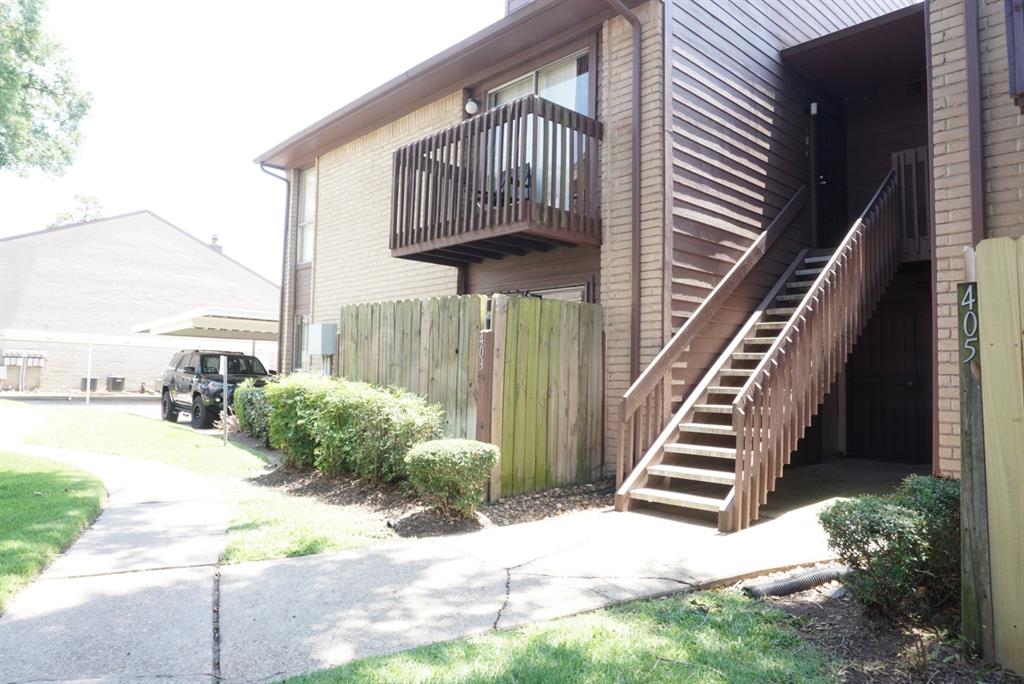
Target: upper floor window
1015 49
306 232
565 82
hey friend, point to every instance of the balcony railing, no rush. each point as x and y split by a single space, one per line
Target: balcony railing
518 177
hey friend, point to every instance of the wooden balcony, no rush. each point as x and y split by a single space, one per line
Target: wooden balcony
518 178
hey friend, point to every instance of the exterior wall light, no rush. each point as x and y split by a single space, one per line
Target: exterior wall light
472 106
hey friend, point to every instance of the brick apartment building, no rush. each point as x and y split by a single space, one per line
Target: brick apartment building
737 184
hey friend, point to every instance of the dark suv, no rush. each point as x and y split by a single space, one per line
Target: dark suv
194 383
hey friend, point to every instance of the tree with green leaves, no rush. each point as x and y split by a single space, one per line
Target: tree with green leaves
41 103
87 208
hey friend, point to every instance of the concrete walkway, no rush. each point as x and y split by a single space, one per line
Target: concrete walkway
298 615
134 598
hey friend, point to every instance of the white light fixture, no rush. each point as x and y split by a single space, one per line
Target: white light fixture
472 106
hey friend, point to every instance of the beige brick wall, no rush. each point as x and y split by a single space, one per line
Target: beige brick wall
288 284
1002 125
614 107
1003 162
353 262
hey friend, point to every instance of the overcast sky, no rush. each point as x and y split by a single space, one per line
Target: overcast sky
187 93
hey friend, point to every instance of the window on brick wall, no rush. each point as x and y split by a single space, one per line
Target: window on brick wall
1015 48
300 342
565 82
306 232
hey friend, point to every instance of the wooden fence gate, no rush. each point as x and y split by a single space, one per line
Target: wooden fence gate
523 373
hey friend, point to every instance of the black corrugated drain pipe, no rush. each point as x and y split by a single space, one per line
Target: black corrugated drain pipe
795 583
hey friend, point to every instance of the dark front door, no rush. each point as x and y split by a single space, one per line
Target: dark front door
888 375
828 154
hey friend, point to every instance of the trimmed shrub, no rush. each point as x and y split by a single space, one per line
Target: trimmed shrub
367 430
905 547
451 474
294 402
252 410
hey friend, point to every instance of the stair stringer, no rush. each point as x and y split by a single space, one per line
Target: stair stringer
656 453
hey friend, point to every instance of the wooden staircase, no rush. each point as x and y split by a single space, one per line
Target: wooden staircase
697 468
723 448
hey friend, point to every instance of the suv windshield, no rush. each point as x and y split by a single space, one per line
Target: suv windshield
237 365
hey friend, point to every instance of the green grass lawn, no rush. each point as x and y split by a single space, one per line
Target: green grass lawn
265 523
707 637
44 506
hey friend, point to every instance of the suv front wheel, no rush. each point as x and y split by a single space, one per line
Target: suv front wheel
202 417
167 410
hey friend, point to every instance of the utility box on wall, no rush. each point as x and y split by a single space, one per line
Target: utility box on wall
322 337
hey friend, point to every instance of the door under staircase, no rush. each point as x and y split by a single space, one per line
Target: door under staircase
723 448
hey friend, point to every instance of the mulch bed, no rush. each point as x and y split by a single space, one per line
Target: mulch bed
871 652
399 509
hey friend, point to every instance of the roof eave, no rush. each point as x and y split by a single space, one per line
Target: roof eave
436 77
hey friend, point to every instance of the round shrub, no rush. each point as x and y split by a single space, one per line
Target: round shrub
451 474
252 410
367 430
905 548
294 402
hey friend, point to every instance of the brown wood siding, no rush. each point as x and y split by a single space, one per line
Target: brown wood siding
561 266
877 126
303 291
738 127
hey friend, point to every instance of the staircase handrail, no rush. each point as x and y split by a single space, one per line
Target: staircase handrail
642 393
773 408
814 291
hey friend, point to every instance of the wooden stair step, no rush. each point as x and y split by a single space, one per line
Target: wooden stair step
693 474
712 408
781 311
748 356
799 284
720 389
772 325
708 429
760 340
736 372
819 259
662 496
789 298
700 450
808 271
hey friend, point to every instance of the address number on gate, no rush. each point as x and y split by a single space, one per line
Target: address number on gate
968 310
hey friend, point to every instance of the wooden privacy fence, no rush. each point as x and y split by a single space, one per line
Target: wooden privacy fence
523 373
428 346
991 318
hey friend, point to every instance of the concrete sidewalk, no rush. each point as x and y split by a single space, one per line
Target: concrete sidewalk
133 597
292 616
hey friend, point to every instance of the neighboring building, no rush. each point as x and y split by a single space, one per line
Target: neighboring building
69 289
763 127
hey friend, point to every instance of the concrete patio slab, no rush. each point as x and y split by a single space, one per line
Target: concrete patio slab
289 617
